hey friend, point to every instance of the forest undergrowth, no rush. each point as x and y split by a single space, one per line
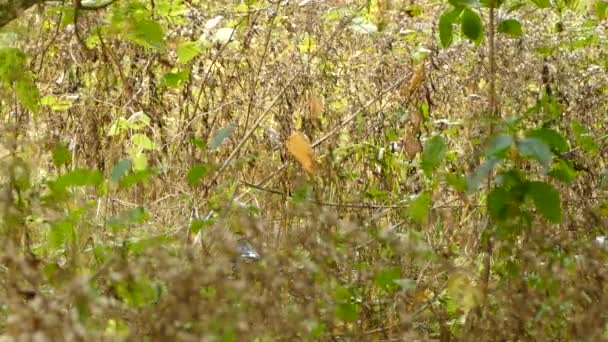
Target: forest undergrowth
404 171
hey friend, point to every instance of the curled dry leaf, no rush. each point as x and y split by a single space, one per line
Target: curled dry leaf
299 147
411 146
418 77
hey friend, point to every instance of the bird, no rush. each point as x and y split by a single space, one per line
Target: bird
243 248
246 251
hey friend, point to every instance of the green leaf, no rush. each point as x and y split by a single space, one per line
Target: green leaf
139 246
546 199
12 65
196 173
148 33
535 148
563 171
200 144
457 182
119 170
511 27
55 103
187 51
600 9
197 225
137 121
79 177
176 79
139 159
433 154
552 138
220 136
464 3
542 3
142 141
499 146
446 28
418 208
60 232
347 312
139 176
61 155
386 279
27 93
498 204
471 25
585 140
482 172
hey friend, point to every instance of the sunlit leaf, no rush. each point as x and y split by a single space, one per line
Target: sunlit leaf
142 141
186 51
149 33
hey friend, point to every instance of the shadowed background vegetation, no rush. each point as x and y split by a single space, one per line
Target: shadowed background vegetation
406 171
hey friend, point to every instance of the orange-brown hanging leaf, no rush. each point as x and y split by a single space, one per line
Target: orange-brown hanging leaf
299 147
418 77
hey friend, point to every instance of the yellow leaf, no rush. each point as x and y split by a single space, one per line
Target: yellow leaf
299 147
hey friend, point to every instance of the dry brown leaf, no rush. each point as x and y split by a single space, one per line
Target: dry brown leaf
299 147
315 106
416 119
412 146
418 77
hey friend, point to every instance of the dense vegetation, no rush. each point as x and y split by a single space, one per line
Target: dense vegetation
406 171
